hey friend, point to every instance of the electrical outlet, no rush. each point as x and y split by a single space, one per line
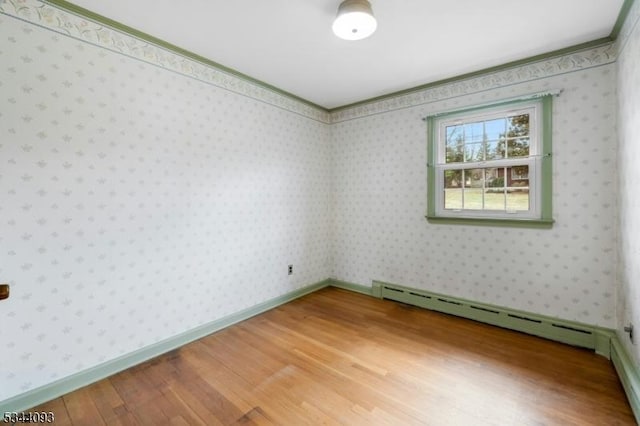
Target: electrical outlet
290 269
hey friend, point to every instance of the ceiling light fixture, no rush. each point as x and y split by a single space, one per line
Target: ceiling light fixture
355 20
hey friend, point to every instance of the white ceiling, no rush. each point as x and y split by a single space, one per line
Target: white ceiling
289 44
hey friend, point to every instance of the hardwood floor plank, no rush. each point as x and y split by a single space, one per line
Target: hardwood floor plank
337 357
325 366
235 391
194 402
82 409
59 410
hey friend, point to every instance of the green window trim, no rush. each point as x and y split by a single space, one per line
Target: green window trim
507 223
545 221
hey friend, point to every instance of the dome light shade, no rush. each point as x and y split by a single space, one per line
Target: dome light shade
355 20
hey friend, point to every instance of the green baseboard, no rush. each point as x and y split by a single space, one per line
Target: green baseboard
376 289
564 331
628 374
350 286
83 378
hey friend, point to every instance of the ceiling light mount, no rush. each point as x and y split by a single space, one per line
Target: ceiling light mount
355 20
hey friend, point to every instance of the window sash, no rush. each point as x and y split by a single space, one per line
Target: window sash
532 161
489 114
534 165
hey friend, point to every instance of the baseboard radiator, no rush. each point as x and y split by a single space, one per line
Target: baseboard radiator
548 327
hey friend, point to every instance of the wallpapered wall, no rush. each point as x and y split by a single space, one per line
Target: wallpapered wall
629 176
380 202
137 203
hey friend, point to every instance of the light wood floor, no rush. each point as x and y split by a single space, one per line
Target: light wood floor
336 357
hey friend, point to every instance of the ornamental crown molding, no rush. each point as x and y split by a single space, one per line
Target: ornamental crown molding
630 23
548 67
78 27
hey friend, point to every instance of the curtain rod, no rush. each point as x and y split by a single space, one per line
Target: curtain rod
552 92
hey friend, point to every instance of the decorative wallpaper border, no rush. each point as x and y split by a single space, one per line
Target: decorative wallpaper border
575 61
83 29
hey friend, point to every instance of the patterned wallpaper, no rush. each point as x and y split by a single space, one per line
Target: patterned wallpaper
380 231
138 203
629 175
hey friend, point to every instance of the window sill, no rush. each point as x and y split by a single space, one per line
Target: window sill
510 223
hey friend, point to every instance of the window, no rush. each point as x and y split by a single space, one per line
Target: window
520 173
492 165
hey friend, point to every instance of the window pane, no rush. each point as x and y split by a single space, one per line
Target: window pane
473 178
494 189
517 199
473 152
453 189
494 177
455 134
454 144
495 129
518 147
518 125
494 199
455 153
518 188
495 149
519 173
474 132
473 199
474 189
